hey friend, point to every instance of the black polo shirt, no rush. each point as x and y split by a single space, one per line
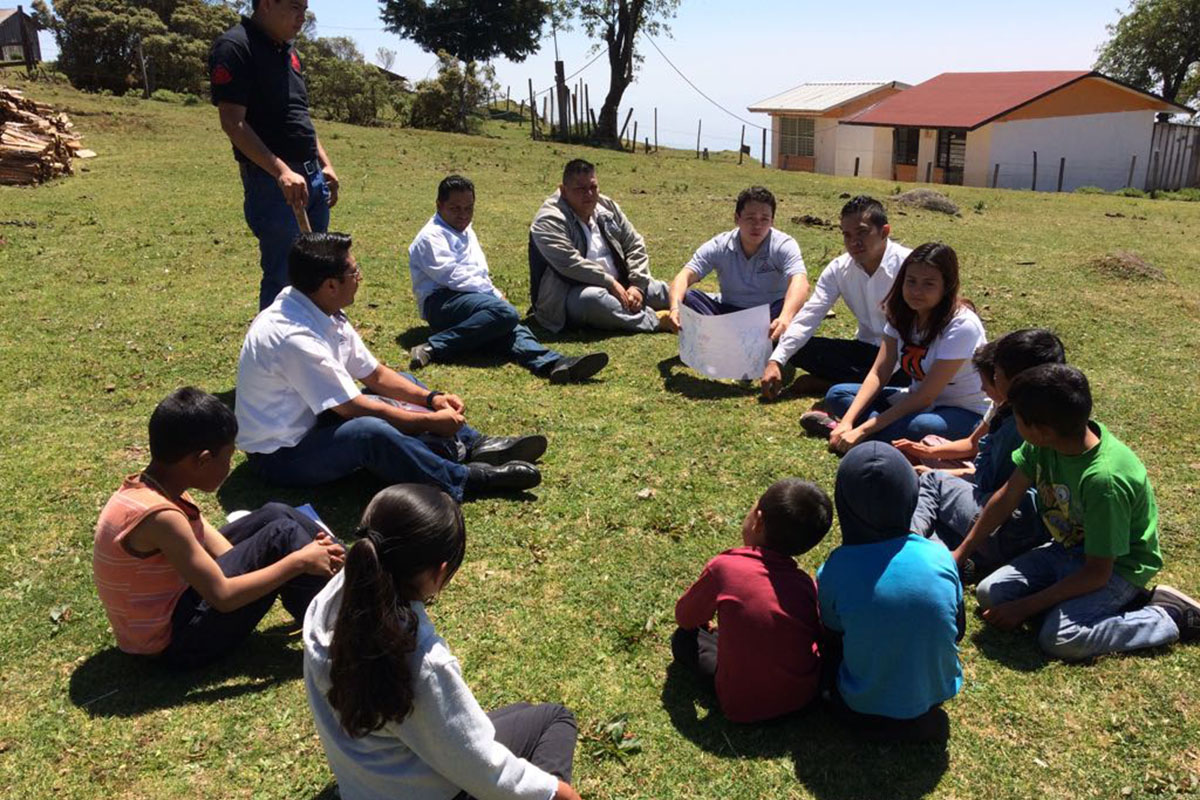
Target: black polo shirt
248 68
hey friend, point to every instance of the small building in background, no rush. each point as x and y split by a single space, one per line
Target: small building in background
805 134
18 31
1023 130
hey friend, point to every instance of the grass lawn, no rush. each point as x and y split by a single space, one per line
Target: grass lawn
138 275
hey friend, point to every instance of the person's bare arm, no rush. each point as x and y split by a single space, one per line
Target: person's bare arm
445 420
872 383
957 450
911 402
1092 576
996 511
679 286
793 301
170 533
291 183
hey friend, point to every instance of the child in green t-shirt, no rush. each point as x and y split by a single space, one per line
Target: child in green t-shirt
1095 499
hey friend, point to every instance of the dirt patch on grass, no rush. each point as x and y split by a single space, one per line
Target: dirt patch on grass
1126 265
927 199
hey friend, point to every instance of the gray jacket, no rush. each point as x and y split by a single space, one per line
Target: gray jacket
558 256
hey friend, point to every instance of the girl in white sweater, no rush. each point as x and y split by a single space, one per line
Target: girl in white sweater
393 712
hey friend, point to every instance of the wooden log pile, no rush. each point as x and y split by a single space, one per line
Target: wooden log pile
36 143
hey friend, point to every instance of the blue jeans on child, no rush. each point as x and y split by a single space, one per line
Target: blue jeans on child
947 507
951 422
273 222
337 447
466 322
1083 626
199 633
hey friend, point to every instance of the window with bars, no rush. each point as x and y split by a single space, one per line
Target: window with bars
796 136
906 144
951 148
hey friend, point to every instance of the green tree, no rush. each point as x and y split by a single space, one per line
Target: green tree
438 103
618 23
341 85
470 31
1156 47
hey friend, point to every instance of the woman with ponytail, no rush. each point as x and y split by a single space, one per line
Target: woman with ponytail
395 717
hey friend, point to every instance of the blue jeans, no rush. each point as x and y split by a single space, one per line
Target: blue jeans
337 447
466 322
201 634
712 305
273 223
951 422
947 507
1083 626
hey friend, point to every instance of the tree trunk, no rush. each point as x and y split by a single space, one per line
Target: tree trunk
619 36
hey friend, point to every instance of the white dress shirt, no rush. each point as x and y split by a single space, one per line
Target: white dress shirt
296 362
864 294
444 258
598 249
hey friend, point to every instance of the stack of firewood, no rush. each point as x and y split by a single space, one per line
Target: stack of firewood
36 143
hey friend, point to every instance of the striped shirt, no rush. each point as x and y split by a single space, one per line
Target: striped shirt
139 590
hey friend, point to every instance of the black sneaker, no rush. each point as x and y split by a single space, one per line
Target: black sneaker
1183 610
574 369
817 423
497 450
510 477
420 356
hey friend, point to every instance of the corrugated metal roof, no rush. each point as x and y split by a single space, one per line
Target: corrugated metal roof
971 99
816 98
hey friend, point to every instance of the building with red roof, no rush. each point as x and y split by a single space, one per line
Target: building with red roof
1022 130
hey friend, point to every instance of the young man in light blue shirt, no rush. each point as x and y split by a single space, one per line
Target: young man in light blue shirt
756 264
455 294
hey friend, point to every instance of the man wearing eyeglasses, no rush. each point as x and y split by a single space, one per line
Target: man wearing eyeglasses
303 420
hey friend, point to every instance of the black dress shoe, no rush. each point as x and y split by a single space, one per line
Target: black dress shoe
573 369
502 449
513 476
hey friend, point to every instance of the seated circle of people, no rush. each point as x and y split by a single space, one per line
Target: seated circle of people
756 264
588 266
933 333
891 604
762 658
173 586
862 277
951 499
466 311
1087 589
303 420
395 717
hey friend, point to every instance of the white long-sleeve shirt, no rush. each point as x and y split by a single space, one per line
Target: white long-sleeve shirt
445 744
864 294
443 258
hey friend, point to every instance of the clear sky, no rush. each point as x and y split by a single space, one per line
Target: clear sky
742 52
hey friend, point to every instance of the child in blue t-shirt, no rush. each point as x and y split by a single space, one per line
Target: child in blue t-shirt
948 504
891 604
1095 499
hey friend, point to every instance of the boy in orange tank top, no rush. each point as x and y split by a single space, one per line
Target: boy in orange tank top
174 586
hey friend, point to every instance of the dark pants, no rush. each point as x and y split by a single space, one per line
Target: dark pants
696 650
841 361
544 735
467 322
336 447
273 222
704 303
201 634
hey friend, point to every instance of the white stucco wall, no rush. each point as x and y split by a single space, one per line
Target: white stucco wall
825 143
977 169
927 153
1098 149
857 141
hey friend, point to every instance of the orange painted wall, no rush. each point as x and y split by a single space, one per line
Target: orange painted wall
1088 96
799 163
854 106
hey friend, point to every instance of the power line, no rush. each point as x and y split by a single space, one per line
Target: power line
697 88
574 74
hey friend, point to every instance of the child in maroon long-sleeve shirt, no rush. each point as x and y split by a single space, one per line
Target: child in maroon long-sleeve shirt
765 662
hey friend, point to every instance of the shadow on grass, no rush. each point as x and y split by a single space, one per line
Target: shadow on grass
1016 650
418 334
339 504
330 792
829 760
698 388
116 684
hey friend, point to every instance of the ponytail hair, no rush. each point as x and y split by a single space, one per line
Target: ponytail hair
942 258
406 530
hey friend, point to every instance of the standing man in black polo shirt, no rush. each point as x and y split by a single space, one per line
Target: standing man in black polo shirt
258 88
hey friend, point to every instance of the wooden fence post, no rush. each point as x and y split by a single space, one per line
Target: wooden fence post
1152 178
532 111
856 166
1062 167
625 125
928 171
764 149
1034 187
633 140
1132 164
742 146
699 123
587 103
995 175
656 129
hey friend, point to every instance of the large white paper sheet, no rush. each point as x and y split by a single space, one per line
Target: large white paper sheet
733 345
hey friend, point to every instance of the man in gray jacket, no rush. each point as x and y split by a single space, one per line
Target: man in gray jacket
587 265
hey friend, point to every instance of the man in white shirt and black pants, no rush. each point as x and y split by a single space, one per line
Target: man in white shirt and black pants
455 294
862 276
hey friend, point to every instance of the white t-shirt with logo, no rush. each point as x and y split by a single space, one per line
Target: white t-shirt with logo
958 340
